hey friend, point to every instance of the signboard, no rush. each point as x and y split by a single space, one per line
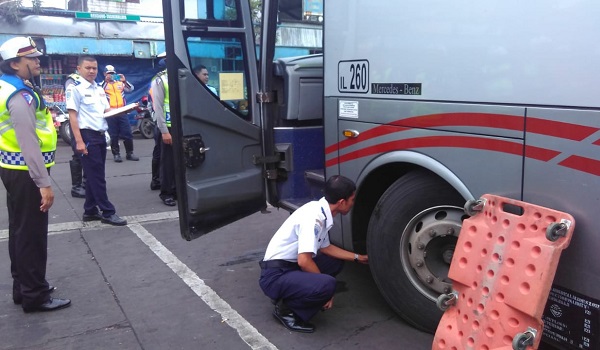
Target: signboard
107 16
231 86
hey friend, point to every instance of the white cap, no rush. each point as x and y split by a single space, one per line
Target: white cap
161 55
109 69
19 47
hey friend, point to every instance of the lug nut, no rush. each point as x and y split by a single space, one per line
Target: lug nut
432 233
419 263
421 245
429 279
450 231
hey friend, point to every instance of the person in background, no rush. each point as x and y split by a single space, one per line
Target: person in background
115 86
87 103
27 151
77 175
155 181
300 264
202 73
160 102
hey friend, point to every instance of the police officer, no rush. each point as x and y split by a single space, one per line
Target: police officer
160 103
27 149
87 103
300 264
77 176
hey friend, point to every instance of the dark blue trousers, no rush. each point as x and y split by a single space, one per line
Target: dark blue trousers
119 128
304 293
94 164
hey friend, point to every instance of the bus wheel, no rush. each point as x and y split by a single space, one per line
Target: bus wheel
410 241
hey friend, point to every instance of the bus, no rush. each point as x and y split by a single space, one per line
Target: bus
425 104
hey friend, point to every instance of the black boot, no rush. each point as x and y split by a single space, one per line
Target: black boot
77 190
129 150
155 182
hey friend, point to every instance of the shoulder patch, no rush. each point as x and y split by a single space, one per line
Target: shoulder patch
27 96
318 227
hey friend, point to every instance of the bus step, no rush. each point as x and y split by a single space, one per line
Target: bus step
502 271
315 175
291 204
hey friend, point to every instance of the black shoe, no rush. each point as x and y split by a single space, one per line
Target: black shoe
51 305
18 300
115 220
131 156
293 322
170 202
154 185
91 217
78 192
117 158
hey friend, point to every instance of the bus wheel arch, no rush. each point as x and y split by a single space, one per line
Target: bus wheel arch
410 240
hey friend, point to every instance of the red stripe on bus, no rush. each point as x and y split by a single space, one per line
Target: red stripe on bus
448 141
559 129
597 143
588 165
489 120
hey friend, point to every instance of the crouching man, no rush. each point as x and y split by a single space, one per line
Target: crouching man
300 264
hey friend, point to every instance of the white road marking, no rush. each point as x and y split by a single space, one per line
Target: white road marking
247 332
54 229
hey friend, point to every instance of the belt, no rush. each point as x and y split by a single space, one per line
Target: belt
278 264
99 132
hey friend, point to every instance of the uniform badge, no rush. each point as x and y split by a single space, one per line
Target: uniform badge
318 226
27 96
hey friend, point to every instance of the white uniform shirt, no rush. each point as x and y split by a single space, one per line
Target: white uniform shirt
89 101
305 231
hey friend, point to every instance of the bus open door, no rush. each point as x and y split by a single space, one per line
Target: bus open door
216 125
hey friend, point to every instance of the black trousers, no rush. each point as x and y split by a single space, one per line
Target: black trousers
304 293
94 164
27 237
167 171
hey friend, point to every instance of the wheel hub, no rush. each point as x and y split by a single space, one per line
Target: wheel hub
427 247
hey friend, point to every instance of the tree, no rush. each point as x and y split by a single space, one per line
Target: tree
10 10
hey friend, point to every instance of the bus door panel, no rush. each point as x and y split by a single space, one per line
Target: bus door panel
217 137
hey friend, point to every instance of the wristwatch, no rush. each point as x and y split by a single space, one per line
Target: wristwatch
355 257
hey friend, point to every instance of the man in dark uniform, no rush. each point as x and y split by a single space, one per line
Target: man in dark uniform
160 103
300 264
87 103
27 149
77 176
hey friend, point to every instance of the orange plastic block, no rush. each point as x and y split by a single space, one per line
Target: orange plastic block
502 272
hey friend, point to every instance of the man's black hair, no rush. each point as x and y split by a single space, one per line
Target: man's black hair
338 187
199 67
88 58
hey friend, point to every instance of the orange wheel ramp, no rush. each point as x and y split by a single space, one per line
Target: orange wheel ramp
502 271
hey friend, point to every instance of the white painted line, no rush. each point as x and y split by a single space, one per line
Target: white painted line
247 332
54 229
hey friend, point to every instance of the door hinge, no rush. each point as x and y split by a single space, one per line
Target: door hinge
276 158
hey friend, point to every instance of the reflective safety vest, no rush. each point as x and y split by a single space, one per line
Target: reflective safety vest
10 152
163 76
115 92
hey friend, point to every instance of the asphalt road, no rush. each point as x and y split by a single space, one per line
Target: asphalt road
143 287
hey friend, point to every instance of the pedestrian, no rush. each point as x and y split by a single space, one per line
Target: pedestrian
300 264
162 112
115 86
87 103
27 150
77 176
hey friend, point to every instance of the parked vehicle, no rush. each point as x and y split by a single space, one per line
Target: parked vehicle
144 119
61 122
437 104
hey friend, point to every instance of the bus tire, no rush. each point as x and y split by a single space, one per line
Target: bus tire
411 209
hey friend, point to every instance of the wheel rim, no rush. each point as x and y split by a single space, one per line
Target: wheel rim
426 249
